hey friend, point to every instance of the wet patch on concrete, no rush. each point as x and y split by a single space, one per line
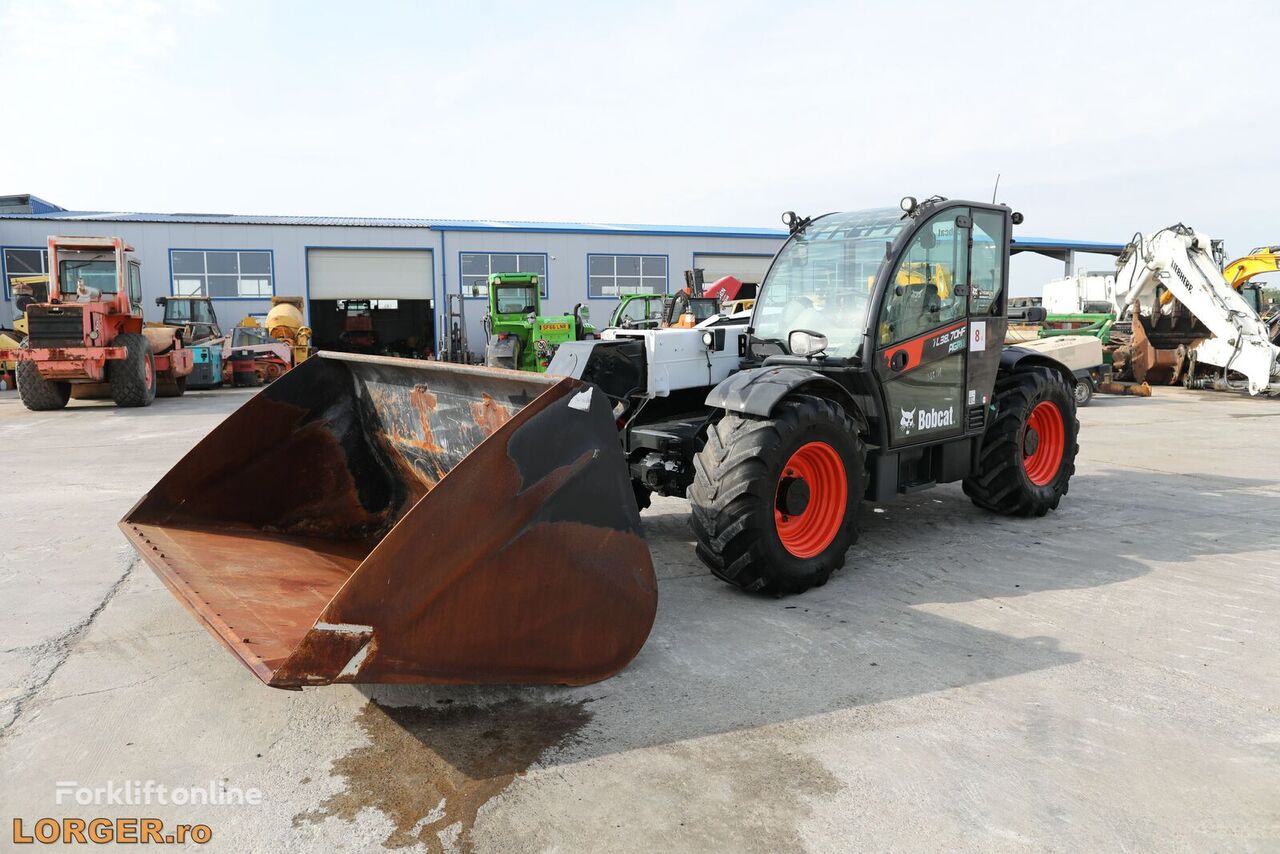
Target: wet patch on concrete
430 770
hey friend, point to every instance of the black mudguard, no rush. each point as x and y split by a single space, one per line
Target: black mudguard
757 391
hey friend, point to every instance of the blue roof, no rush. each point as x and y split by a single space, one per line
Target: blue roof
1019 244
1054 244
402 222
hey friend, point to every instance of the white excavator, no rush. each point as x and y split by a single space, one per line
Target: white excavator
1188 321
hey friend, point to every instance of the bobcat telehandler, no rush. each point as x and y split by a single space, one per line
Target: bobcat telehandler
431 522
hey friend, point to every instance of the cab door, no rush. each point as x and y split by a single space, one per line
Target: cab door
135 287
988 280
923 333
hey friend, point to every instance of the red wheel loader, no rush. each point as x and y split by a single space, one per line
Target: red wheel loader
88 338
428 522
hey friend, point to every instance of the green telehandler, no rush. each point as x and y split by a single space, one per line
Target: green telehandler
517 336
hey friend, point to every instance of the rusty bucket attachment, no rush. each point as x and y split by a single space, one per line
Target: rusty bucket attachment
366 519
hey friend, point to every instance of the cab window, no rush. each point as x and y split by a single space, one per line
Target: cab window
135 285
988 263
639 311
521 300
923 290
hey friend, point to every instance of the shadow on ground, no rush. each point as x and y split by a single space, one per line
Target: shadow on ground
719 660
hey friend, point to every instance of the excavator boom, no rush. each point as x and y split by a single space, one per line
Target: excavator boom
1176 261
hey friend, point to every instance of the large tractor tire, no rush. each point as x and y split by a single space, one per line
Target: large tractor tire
39 394
774 500
1029 451
133 378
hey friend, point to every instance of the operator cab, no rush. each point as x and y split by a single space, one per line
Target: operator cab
89 270
515 297
913 294
180 311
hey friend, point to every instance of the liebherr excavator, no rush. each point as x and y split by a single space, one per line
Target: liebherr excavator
430 522
1188 320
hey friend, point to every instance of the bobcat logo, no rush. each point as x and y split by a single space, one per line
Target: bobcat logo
908 420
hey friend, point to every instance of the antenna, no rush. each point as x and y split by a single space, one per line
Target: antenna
995 189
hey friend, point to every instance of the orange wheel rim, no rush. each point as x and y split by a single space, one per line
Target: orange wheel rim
810 499
1043 442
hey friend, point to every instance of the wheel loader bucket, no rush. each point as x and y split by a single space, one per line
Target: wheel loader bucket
367 519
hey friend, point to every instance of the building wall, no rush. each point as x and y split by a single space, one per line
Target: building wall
566 276
567 264
152 242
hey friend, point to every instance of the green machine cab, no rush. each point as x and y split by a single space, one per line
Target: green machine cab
517 335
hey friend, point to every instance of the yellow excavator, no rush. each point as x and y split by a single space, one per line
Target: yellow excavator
1264 259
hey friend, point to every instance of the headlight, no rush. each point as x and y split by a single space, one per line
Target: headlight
708 339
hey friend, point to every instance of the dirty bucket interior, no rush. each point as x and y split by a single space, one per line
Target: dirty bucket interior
260 527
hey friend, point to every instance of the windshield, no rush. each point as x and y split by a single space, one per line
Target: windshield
247 336
187 311
703 308
822 280
92 274
515 300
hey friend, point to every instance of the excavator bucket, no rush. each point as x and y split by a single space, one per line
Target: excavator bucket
367 519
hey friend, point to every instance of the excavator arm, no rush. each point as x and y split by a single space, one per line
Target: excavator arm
1176 261
1264 259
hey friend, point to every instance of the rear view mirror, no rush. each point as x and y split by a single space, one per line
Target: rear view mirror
805 342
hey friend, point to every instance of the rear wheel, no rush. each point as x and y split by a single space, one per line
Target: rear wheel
774 500
39 394
1029 451
177 388
133 378
1083 392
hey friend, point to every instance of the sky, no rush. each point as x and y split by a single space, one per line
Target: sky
1102 119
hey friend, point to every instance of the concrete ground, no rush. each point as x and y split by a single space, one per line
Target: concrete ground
1106 678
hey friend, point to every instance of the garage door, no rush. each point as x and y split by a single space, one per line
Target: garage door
745 268
370 273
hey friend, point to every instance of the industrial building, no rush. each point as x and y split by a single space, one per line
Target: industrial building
404 266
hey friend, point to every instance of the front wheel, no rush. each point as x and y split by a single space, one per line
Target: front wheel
39 394
774 500
133 378
1029 450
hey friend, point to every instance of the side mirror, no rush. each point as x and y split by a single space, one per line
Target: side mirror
1036 314
806 342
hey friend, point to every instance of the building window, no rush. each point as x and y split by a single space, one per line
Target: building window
476 267
24 262
612 276
221 273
